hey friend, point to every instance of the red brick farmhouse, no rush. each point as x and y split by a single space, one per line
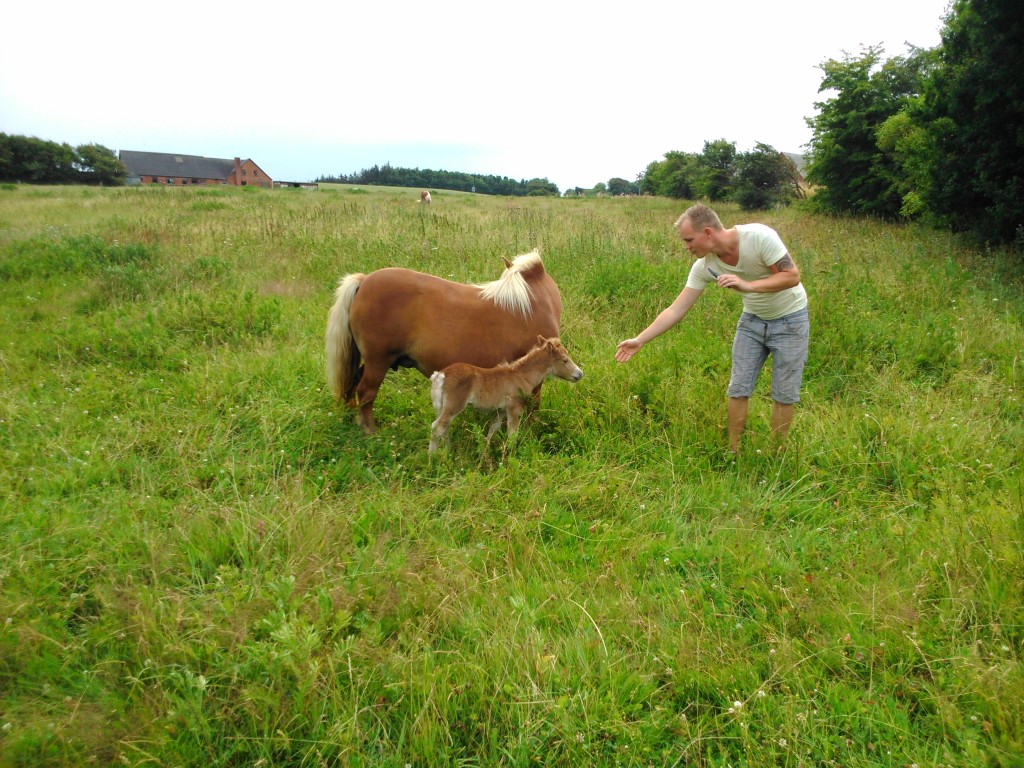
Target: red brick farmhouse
186 170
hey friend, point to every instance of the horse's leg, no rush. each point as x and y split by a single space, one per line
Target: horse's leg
366 392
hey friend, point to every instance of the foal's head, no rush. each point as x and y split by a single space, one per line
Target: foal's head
559 362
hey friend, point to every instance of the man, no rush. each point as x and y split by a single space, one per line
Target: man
752 260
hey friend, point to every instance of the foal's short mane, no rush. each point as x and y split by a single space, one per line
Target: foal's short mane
510 291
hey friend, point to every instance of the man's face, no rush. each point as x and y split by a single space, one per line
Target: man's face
698 243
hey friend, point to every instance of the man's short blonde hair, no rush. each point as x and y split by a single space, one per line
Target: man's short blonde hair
700 216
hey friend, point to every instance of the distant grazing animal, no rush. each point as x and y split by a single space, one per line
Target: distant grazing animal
425 197
503 388
396 317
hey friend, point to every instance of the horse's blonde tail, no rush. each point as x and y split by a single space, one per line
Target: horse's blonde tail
437 391
342 355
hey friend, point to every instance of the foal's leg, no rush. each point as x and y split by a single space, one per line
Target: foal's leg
439 429
495 424
515 410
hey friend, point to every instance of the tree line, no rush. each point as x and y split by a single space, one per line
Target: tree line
935 135
389 176
759 179
34 161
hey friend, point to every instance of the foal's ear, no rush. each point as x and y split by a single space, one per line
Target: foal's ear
540 341
508 264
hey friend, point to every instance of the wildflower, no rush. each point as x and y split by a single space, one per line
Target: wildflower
782 742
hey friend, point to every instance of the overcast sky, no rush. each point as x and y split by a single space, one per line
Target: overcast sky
578 92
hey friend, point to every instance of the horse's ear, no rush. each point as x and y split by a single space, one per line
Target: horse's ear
508 264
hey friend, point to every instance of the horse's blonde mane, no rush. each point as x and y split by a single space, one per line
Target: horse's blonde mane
510 291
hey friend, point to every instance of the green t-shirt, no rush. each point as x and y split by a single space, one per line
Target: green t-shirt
760 247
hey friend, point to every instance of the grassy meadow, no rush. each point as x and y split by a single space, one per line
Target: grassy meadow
203 562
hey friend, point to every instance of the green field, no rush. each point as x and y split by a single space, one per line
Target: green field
205 563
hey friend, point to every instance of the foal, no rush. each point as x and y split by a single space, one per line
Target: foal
503 388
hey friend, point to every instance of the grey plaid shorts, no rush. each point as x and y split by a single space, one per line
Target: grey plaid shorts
785 339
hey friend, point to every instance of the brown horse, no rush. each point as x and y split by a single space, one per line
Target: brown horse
503 388
396 317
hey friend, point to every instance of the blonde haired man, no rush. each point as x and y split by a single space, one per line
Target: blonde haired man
752 260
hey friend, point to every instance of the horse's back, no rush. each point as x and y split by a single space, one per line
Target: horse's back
407 317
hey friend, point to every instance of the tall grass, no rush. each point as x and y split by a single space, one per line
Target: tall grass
205 563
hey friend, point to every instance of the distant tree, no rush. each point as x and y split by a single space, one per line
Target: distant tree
35 161
390 176
762 179
676 176
648 179
617 186
717 165
974 116
851 173
541 188
98 165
